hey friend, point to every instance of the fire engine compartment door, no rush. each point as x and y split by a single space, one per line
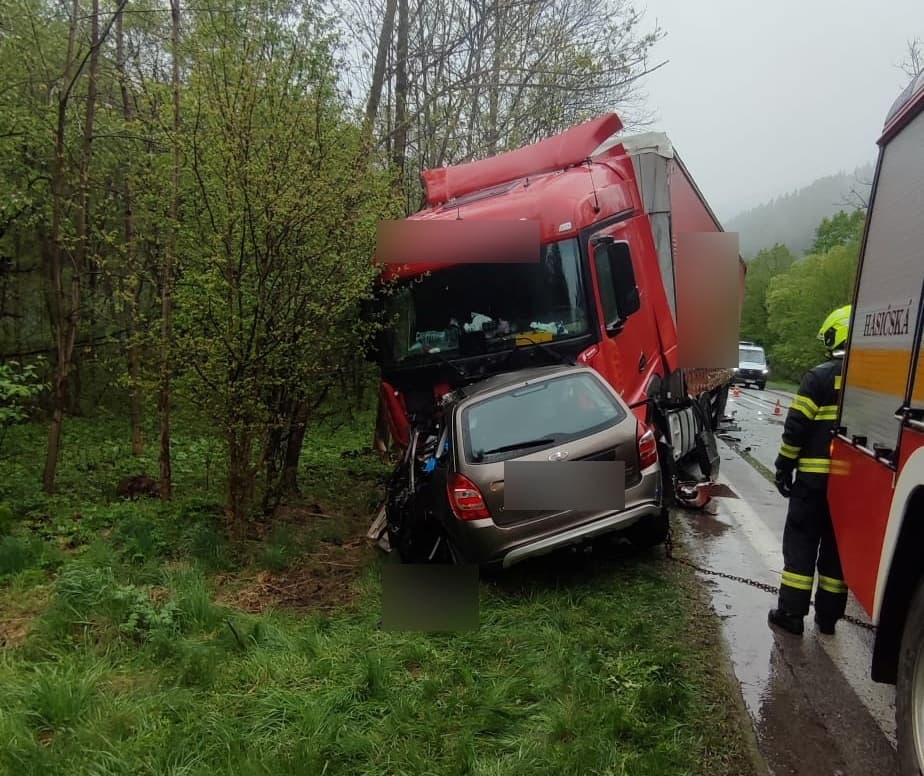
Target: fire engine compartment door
888 294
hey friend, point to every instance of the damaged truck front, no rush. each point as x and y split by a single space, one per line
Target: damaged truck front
602 294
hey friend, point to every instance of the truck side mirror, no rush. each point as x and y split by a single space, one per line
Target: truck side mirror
618 291
623 277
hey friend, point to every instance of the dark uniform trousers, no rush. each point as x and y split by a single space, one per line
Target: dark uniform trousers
808 538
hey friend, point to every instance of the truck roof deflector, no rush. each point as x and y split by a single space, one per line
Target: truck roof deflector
558 152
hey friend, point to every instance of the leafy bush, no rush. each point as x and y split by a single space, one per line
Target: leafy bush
19 385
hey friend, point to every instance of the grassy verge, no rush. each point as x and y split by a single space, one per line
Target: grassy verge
138 639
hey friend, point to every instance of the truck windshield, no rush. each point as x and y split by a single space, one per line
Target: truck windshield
474 308
751 356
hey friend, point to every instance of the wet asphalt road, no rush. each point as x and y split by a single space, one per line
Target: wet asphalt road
812 704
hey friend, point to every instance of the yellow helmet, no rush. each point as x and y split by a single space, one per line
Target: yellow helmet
834 330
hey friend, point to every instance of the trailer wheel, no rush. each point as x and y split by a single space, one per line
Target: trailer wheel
909 695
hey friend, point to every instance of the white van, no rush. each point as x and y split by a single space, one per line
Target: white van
752 365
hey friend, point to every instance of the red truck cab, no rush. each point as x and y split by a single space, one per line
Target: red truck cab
609 209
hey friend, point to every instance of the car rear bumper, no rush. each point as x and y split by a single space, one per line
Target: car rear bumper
614 522
485 543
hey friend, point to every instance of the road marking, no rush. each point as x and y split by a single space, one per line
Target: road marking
849 653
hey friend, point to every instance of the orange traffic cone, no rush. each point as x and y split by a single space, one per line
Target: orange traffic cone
777 410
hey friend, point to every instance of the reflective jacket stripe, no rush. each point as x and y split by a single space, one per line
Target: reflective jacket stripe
789 451
805 405
815 465
827 412
837 382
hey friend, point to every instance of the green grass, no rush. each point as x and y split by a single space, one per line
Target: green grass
135 662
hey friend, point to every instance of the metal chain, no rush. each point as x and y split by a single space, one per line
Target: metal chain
772 589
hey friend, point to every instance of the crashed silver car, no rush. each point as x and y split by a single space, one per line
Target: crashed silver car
527 431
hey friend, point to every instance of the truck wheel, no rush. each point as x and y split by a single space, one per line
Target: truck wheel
909 695
649 531
761 386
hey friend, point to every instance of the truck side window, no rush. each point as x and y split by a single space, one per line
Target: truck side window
607 286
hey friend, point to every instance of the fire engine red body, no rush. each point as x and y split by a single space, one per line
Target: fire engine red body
876 488
585 184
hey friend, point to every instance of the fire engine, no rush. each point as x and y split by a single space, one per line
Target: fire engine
876 487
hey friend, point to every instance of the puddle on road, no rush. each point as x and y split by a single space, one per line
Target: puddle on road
705 524
805 716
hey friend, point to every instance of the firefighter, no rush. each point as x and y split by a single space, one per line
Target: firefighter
802 468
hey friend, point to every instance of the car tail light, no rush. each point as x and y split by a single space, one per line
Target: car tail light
647 447
587 356
465 499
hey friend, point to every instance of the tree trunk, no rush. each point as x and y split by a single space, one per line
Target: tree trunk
494 92
240 476
400 148
134 285
166 474
273 452
65 313
297 430
381 57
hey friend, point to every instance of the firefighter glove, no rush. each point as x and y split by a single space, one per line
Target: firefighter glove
784 482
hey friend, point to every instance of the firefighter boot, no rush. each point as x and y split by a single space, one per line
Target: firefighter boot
791 623
825 625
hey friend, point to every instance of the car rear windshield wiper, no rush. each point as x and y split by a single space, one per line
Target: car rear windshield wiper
516 446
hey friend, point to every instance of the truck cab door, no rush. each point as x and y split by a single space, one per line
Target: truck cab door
627 351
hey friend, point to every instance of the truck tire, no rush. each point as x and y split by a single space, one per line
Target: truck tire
909 690
649 531
761 386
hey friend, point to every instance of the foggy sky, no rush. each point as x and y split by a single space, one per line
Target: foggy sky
761 98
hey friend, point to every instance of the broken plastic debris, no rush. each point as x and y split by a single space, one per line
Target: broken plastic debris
478 322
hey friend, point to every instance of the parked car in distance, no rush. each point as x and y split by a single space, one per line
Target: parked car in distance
752 365
562 414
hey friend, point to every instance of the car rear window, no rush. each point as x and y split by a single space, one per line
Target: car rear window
558 410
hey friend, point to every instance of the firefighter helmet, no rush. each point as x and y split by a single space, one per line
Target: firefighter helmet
833 331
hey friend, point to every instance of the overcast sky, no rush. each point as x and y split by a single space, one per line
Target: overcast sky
762 97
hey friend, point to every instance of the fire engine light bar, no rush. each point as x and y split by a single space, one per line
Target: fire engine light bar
458 241
593 486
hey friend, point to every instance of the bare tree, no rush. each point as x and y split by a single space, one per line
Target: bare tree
381 57
474 77
913 64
